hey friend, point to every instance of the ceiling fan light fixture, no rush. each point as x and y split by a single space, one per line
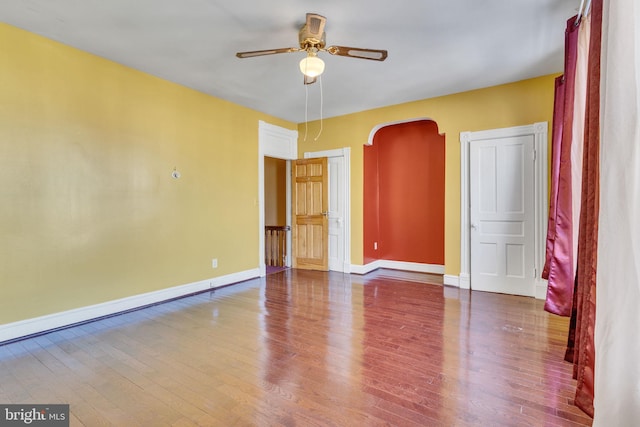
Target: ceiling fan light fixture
312 66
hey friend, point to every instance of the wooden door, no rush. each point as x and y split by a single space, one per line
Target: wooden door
310 209
501 182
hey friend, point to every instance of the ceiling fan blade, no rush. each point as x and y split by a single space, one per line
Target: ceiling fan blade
309 80
356 52
253 53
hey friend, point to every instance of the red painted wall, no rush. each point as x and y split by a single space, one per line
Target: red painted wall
371 204
404 194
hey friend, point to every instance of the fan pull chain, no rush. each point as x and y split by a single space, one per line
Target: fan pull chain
306 107
321 102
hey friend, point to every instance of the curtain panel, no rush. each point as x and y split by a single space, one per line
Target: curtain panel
559 270
556 140
572 244
617 344
584 354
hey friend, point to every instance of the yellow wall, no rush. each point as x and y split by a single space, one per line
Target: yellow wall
89 210
514 104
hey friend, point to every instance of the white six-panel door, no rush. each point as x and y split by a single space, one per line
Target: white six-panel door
502 241
336 213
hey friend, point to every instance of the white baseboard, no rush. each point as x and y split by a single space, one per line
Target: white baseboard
397 265
451 280
366 268
41 324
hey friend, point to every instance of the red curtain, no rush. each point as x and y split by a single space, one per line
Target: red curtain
585 288
556 140
573 292
559 261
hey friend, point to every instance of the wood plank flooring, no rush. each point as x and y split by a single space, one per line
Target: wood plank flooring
303 348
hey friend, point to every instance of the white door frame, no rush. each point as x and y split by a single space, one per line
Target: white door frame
346 154
280 143
539 131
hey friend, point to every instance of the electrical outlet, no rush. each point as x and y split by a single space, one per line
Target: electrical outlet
214 263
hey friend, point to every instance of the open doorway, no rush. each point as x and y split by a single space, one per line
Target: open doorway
281 143
278 143
277 249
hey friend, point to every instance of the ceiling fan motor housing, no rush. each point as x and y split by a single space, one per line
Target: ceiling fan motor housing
312 33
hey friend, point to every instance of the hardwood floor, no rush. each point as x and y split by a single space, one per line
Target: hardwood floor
303 348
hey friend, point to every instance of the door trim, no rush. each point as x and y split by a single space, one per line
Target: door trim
280 143
539 131
346 153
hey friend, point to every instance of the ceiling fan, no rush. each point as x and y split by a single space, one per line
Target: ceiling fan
312 40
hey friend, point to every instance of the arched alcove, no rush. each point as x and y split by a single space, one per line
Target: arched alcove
404 173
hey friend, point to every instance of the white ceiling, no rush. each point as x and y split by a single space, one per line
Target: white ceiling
436 47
